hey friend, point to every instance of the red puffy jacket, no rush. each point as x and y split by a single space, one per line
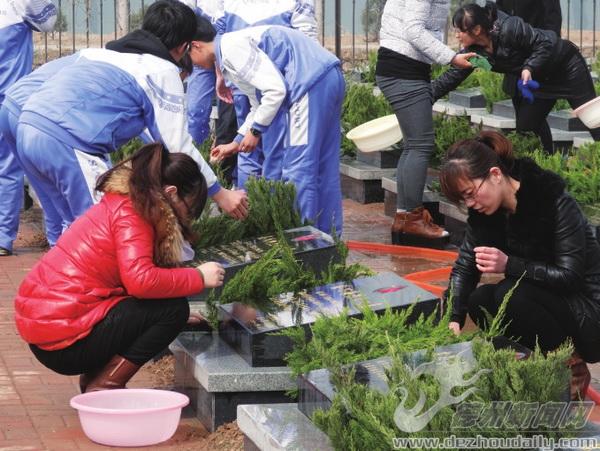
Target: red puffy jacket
106 255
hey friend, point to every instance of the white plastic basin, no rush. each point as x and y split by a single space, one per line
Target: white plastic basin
129 417
378 134
589 113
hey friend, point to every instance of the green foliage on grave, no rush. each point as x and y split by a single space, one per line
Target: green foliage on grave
490 84
276 272
524 143
362 418
272 208
580 168
369 70
360 106
448 130
126 150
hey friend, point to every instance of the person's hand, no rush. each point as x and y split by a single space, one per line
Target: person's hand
222 151
223 92
490 260
213 274
461 60
249 142
525 76
195 318
234 203
454 327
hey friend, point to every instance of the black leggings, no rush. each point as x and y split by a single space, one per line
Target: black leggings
578 90
533 313
137 329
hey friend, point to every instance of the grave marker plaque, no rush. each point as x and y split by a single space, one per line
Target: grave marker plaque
250 332
315 249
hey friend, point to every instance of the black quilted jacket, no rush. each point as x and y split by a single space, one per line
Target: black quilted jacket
549 240
518 46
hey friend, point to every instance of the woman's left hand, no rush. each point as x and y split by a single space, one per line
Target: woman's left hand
525 76
490 260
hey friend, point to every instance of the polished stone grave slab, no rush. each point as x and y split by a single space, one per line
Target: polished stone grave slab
470 98
504 108
493 121
314 248
452 109
279 427
282 427
565 120
251 332
361 182
217 379
383 159
317 392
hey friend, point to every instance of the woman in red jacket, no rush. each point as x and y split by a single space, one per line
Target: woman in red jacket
110 295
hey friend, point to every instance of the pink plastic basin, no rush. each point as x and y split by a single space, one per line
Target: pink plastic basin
129 417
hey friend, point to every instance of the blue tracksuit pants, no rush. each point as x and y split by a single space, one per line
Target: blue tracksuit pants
11 187
311 158
199 95
67 176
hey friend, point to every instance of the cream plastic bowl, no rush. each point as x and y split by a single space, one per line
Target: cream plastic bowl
378 134
589 113
129 417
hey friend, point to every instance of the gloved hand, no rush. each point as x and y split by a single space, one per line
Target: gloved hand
526 90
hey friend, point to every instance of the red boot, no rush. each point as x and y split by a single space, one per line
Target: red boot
580 377
115 374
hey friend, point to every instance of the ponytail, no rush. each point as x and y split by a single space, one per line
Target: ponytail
472 159
471 15
150 169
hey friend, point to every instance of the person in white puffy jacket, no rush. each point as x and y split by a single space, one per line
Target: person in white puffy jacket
411 40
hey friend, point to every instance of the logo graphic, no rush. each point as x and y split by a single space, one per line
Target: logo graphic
390 289
449 371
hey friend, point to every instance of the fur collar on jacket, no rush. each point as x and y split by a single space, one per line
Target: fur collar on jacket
536 197
168 234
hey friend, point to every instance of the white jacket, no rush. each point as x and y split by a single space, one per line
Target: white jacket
415 28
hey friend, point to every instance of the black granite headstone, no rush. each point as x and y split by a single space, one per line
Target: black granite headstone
250 332
314 248
316 390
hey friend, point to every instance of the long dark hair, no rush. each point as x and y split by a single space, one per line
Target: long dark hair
152 168
472 159
469 16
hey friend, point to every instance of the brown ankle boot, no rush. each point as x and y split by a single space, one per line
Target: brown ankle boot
580 377
115 374
416 228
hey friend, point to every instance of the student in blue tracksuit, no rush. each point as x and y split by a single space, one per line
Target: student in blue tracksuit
238 15
18 19
108 96
10 110
201 82
284 72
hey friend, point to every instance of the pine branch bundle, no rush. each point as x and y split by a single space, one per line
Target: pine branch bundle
272 208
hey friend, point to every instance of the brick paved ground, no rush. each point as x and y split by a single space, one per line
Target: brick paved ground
34 401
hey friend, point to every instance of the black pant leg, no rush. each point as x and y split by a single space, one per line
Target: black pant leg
136 329
532 118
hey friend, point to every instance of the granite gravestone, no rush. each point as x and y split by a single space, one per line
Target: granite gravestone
316 391
314 248
251 332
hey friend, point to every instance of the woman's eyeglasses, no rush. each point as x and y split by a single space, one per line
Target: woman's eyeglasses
473 194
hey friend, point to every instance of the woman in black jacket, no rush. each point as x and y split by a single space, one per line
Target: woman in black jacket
513 47
522 223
